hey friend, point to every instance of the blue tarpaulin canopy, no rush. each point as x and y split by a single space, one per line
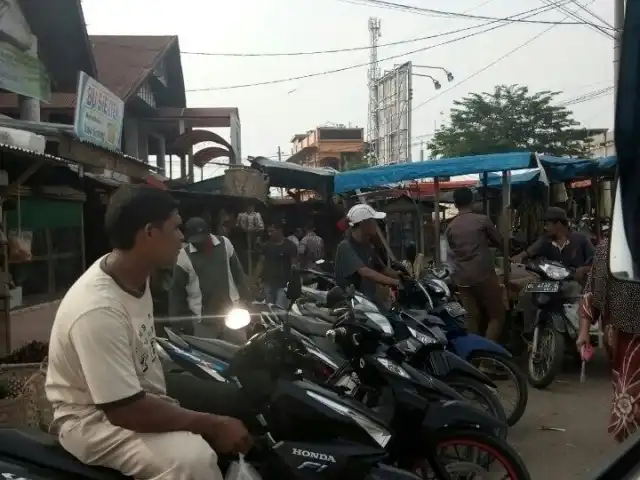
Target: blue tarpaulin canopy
518 179
562 169
442 167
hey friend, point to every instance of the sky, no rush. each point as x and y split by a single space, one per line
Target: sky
573 59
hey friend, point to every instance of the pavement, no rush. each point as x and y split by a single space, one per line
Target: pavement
581 411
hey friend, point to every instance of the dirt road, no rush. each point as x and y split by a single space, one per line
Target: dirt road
582 410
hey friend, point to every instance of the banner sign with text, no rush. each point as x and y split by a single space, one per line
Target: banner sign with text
23 74
99 114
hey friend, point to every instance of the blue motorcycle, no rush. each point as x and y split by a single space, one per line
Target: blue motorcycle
429 300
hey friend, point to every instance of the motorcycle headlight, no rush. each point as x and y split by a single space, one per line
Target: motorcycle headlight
555 272
393 367
423 338
381 321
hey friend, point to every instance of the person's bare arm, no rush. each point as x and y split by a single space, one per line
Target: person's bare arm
101 340
259 267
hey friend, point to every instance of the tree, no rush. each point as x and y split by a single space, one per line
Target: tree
510 119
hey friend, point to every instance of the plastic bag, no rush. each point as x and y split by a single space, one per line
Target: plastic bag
242 470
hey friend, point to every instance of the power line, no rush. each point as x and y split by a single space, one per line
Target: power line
537 10
574 15
592 13
360 65
448 14
488 66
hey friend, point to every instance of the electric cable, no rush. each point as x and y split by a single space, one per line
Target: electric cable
538 10
359 65
593 14
448 14
575 15
488 66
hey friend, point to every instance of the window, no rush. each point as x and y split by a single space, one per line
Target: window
146 94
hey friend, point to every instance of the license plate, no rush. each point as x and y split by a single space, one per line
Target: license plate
542 287
454 309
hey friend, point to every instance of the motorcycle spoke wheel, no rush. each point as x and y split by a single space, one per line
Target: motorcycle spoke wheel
546 364
510 380
471 458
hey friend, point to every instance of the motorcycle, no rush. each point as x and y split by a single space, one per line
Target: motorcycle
431 297
425 346
556 323
426 416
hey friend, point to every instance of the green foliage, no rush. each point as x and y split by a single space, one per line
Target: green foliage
510 119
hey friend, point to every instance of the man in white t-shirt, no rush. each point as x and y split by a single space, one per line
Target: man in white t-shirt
105 380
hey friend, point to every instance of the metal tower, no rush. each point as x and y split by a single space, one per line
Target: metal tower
373 127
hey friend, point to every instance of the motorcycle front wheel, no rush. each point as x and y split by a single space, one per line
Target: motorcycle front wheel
546 364
467 454
480 359
478 393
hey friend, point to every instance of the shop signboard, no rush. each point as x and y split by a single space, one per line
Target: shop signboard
23 74
99 114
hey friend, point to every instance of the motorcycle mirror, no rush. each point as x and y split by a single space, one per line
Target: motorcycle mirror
335 296
294 288
237 318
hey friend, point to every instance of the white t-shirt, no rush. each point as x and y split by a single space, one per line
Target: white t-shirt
102 348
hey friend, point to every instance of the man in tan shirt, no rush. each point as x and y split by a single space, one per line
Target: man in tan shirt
104 378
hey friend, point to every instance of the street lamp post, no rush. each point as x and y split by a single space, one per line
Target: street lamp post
449 75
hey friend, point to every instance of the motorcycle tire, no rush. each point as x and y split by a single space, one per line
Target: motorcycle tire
498 448
520 379
557 344
482 395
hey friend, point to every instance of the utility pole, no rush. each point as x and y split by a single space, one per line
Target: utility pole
279 154
422 151
618 24
373 127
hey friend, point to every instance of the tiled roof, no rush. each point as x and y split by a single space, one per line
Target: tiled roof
124 61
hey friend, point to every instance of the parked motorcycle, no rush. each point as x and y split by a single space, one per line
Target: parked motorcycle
431 297
556 323
428 425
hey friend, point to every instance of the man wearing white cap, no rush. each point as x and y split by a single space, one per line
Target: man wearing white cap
356 262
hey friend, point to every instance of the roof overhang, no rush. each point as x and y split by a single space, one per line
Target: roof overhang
197 117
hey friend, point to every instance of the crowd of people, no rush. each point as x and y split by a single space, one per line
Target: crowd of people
104 377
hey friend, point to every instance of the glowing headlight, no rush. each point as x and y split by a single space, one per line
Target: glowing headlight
554 272
393 367
422 337
381 321
237 318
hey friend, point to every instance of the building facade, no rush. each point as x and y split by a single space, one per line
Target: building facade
339 148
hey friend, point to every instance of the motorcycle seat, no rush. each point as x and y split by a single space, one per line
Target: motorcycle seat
212 346
43 450
309 326
424 316
318 312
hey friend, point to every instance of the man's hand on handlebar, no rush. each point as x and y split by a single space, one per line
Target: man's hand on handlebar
227 435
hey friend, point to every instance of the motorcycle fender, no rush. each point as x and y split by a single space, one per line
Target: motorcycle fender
444 363
387 472
465 345
455 413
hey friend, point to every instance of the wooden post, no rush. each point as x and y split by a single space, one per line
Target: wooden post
506 225
485 193
436 226
595 182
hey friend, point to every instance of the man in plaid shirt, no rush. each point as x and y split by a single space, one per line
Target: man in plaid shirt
311 247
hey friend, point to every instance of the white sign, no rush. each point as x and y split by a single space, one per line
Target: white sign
99 114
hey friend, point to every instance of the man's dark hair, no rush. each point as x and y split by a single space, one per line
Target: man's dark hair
276 224
131 208
310 225
463 197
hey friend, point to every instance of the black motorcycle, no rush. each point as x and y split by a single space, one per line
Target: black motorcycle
556 323
427 423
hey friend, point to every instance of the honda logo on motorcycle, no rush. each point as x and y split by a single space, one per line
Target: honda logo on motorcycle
313 455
